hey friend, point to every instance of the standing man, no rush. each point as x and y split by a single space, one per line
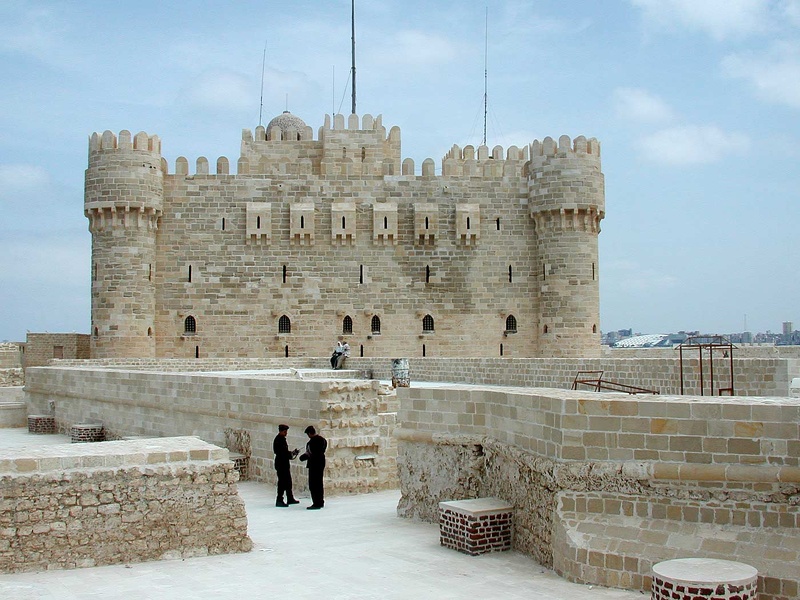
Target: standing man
282 458
314 457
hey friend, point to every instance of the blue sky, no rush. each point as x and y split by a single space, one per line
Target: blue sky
695 103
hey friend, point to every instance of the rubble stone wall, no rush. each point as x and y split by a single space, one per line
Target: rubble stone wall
83 505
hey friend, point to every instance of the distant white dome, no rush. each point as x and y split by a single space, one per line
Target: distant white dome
651 340
287 121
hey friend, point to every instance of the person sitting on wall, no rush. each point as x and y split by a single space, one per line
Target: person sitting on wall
314 457
344 354
282 457
337 352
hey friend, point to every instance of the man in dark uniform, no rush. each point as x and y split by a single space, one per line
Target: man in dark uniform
282 457
314 457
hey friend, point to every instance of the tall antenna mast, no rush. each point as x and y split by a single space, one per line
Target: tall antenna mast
263 63
353 39
486 75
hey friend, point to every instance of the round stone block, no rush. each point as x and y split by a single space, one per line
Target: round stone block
697 578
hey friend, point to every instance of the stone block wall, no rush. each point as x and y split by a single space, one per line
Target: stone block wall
357 417
41 348
68 506
731 461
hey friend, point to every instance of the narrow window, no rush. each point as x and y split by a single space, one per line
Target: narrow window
426 222
498 228
511 324
284 325
363 154
545 329
344 152
362 350
197 351
592 271
343 221
284 273
467 222
360 273
302 222
594 328
94 272
427 274
223 223
96 332
501 349
189 325
423 351
544 271
258 222
385 222
150 272
149 332
190 273
510 275
427 323
347 325
375 326
286 351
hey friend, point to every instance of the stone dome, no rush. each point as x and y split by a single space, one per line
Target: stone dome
287 121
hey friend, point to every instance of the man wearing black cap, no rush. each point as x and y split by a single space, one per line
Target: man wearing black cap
315 463
282 458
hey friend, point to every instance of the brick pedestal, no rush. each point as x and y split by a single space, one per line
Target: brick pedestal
700 578
41 424
476 526
87 432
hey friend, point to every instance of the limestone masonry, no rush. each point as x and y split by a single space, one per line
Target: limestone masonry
338 238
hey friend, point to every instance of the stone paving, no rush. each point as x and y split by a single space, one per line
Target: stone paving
356 548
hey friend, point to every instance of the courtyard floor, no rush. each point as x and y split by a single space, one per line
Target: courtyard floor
355 548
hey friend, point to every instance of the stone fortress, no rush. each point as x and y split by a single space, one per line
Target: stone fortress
216 298
338 238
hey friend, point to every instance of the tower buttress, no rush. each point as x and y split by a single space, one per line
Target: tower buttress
123 201
567 202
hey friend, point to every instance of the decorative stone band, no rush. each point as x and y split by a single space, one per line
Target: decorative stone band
476 526
742 473
699 578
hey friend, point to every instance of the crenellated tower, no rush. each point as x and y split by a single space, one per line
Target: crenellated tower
567 202
123 202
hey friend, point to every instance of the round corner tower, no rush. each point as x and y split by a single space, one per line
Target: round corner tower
567 202
123 202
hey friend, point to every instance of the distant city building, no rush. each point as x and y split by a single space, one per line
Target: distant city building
788 328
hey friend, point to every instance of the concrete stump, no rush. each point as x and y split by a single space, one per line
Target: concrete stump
700 578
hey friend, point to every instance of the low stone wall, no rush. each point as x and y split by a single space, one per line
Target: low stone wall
356 416
83 505
11 378
13 410
528 447
753 376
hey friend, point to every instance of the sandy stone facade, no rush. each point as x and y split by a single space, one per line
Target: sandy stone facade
84 505
314 240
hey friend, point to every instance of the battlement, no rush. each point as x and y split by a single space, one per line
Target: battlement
580 147
108 141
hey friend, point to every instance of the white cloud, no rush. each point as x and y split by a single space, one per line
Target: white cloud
22 180
690 145
774 74
224 90
416 48
640 105
720 19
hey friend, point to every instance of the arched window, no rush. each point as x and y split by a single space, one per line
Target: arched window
149 332
386 222
376 325
347 325
594 328
284 324
511 324
545 329
427 323
189 325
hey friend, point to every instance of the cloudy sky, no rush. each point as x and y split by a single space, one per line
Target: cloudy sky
696 104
